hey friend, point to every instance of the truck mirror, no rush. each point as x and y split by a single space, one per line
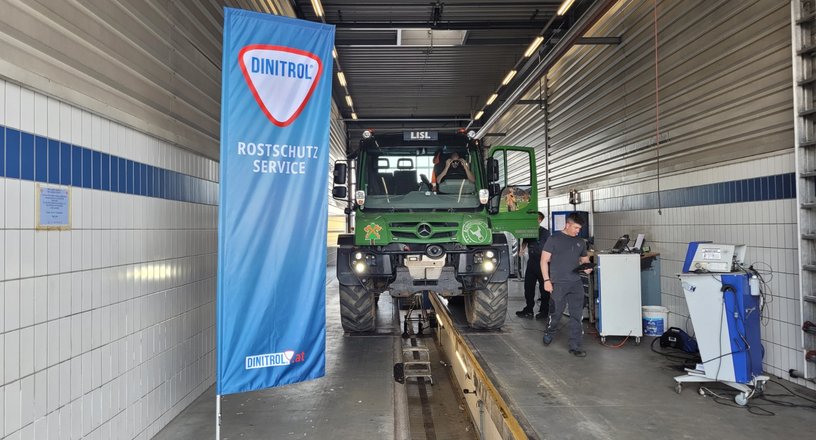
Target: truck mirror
492 170
340 171
339 192
494 189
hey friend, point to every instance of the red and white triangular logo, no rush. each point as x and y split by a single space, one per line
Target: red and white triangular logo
281 78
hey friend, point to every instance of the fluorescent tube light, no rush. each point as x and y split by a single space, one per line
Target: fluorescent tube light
561 11
509 76
533 46
492 98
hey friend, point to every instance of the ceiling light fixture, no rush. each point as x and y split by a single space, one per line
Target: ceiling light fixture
478 115
353 115
342 78
561 11
533 46
491 99
318 8
334 53
348 101
509 76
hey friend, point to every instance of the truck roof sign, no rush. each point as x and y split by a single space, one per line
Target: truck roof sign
420 135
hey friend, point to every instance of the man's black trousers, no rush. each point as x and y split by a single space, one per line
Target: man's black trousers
532 275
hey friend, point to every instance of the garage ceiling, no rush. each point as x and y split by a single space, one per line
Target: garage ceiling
428 63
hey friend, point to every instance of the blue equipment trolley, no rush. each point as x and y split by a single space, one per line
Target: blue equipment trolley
724 303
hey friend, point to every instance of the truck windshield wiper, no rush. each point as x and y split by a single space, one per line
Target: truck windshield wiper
387 199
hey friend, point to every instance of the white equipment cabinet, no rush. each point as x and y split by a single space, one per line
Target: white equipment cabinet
618 306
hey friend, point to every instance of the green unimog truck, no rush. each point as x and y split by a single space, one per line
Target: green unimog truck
412 233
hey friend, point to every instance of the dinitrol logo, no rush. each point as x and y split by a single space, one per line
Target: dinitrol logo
286 357
282 79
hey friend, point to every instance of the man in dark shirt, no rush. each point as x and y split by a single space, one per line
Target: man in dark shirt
532 274
561 255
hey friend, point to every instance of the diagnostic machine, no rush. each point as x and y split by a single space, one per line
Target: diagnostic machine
724 302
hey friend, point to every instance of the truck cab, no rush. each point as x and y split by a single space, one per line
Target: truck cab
432 211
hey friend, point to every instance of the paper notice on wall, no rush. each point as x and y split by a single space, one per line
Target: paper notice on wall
53 208
560 222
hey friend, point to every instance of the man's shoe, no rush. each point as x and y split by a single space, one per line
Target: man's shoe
541 315
525 314
547 339
578 353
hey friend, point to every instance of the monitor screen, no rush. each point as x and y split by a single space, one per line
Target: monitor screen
639 241
621 244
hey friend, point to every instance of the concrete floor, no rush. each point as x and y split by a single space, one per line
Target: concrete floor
358 397
616 393
611 394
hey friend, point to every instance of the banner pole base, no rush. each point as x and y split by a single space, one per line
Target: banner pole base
217 417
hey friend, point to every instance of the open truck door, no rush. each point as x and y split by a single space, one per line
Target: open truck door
513 188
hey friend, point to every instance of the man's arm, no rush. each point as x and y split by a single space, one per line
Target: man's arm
545 270
585 259
468 172
444 172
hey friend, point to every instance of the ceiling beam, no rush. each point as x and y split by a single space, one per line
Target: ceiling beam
443 25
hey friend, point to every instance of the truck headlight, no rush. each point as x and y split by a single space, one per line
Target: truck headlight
489 266
360 267
358 256
484 196
489 254
359 197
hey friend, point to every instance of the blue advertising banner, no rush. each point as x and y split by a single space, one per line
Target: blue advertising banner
275 109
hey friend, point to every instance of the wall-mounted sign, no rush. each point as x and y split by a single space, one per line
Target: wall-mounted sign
53 207
420 135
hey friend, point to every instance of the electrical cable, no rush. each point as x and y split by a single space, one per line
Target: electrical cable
794 393
766 295
759 408
616 346
689 360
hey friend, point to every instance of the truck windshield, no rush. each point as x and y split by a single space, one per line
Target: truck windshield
402 181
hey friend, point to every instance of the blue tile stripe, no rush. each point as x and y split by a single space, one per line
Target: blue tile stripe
775 187
36 158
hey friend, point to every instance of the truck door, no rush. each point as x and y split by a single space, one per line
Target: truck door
517 196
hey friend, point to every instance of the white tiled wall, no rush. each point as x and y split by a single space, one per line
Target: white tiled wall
107 330
768 228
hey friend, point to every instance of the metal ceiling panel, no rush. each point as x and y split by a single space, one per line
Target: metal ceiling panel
442 80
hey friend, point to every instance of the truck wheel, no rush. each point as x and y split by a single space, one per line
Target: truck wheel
486 308
356 309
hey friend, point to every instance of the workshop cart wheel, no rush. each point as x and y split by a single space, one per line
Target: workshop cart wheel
603 339
637 341
678 388
741 399
760 386
701 391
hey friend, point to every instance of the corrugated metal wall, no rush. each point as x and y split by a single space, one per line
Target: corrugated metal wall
724 92
154 65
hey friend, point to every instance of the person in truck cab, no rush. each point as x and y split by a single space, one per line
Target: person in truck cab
456 168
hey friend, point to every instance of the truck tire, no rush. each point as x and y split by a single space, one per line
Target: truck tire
356 309
486 307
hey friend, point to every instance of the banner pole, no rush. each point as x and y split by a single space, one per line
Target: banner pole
217 417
